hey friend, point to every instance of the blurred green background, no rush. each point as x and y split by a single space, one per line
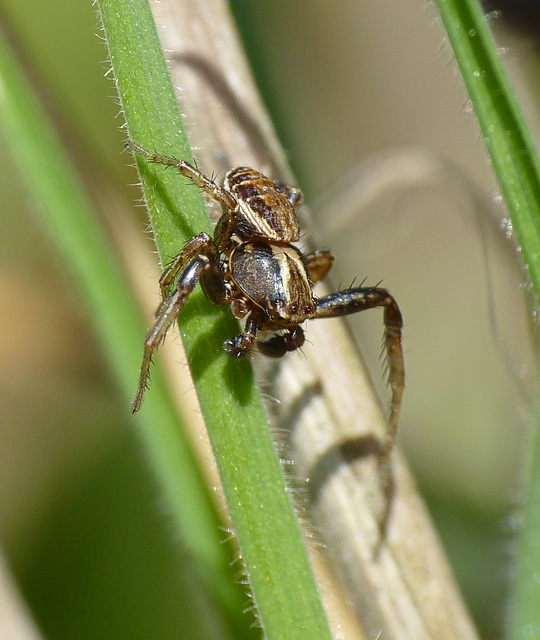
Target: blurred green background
377 127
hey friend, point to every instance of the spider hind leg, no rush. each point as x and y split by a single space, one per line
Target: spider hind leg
359 299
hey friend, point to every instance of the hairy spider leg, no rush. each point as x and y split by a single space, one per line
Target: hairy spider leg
213 283
189 171
198 260
226 224
353 300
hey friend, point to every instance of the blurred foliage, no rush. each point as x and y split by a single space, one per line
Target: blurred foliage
83 530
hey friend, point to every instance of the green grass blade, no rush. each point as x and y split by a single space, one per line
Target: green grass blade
271 544
74 227
509 143
516 165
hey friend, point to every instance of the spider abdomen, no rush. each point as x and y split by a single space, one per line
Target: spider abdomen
266 209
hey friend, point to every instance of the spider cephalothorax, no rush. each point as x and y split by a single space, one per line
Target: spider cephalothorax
252 265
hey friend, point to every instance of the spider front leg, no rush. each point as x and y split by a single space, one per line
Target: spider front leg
243 343
198 260
354 300
226 224
290 339
189 171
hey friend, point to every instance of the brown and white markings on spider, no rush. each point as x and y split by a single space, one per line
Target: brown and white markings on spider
252 265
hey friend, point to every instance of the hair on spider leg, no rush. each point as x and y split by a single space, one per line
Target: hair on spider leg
386 371
213 175
167 264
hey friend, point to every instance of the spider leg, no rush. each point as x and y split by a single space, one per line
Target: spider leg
226 224
200 261
242 343
278 345
361 298
189 171
192 248
212 280
318 264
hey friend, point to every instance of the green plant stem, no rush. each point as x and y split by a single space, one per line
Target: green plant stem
270 541
505 132
516 165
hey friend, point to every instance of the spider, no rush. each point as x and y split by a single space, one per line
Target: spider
252 265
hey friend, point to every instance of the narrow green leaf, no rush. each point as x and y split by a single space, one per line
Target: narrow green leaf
270 541
515 160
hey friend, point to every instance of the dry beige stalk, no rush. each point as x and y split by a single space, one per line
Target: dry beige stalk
401 587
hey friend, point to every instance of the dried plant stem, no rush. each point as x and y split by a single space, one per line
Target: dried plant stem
401 586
